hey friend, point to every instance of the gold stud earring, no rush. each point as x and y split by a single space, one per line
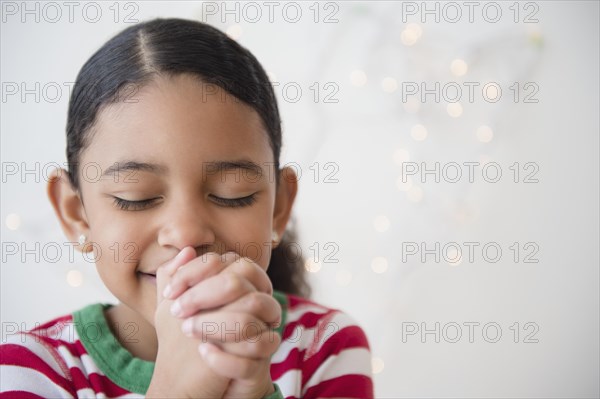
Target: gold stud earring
82 239
275 237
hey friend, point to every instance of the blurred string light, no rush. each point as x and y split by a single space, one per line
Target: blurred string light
414 194
13 221
412 105
381 223
491 92
377 365
459 67
453 257
404 184
234 31
484 134
454 110
74 278
536 38
389 85
418 132
379 264
311 266
411 34
343 277
401 155
358 78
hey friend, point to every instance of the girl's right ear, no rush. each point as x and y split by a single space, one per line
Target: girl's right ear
67 205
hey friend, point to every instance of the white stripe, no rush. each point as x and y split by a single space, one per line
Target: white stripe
89 393
17 378
304 338
61 331
84 363
290 383
36 346
349 361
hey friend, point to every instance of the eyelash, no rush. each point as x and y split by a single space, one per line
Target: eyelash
127 205
236 202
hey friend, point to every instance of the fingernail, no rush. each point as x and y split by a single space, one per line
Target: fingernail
186 327
167 291
176 308
203 349
175 260
179 255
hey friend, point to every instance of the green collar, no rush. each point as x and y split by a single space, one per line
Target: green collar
116 362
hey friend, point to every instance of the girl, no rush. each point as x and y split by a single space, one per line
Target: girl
184 125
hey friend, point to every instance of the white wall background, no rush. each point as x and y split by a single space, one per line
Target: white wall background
368 134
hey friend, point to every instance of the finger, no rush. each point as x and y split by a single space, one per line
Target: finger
164 272
213 292
196 271
228 365
224 327
184 256
260 305
262 346
253 273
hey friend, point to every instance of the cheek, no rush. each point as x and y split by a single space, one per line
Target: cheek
118 243
249 235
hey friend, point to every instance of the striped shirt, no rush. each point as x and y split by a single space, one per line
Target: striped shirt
323 353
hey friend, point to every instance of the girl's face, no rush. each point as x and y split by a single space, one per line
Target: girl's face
177 161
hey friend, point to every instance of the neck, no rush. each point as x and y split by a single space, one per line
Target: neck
132 331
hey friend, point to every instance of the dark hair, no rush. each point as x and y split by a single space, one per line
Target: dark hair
169 47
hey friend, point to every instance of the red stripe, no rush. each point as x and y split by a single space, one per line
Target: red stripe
346 386
97 382
19 395
62 320
101 383
76 349
18 355
292 361
346 338
307 320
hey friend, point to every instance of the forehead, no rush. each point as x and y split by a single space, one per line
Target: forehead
178 120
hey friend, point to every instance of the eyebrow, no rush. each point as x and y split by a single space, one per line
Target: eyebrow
221 166
134 166
210 167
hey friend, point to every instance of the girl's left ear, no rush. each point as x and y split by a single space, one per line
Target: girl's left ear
284 199
67 205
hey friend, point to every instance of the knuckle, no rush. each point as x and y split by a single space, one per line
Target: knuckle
269 346
186 301
249 323
231 255
233 282
211 257
253 302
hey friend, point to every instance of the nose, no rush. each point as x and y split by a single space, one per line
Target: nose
186 225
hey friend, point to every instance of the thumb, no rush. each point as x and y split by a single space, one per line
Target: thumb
166 271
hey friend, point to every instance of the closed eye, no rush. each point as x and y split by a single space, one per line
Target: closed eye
235 202
128 205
